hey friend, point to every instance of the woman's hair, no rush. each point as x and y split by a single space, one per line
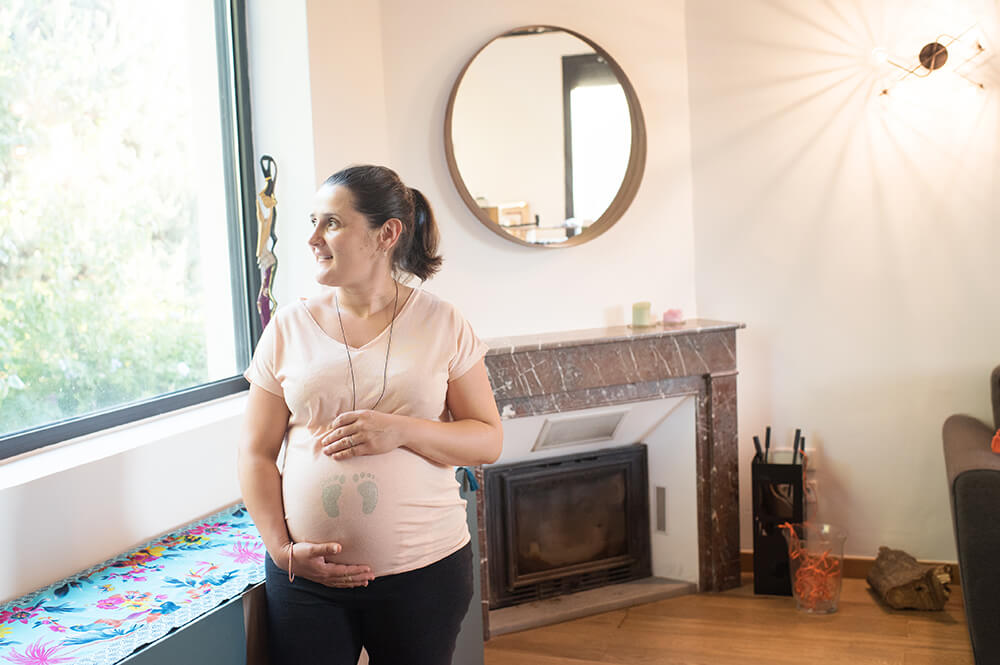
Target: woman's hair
379 195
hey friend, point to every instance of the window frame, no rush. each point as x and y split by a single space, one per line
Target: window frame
232 57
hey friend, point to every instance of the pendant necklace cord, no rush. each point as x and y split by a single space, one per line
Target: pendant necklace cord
354 397
388 346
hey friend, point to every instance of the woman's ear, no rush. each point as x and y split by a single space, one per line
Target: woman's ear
389 233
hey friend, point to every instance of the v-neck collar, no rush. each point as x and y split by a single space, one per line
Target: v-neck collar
373 340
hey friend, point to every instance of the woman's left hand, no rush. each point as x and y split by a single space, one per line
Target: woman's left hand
357 433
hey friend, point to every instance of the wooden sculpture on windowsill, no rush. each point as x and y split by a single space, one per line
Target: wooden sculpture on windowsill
267 215
903 583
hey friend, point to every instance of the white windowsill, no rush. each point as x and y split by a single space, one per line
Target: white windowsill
83 450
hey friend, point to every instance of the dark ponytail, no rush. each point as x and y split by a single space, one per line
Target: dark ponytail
421 258
379 195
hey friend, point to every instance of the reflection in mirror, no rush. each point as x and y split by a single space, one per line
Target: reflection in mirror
598 136
544 137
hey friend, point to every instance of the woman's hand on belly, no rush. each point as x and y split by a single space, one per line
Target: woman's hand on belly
357 433
309 560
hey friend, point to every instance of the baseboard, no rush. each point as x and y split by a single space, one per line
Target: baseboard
854 566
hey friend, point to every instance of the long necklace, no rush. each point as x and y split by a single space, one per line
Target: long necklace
347 349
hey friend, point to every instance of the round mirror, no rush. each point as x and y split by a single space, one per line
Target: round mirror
544 137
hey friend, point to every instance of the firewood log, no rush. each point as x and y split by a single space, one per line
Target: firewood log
902 583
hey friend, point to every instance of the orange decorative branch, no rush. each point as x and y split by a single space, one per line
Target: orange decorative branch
816 576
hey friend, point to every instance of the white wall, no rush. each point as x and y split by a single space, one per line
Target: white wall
380 78
856 235
346 82
505 288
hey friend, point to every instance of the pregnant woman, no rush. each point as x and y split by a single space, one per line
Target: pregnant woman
377 390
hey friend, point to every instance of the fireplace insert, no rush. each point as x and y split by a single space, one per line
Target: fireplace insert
565 524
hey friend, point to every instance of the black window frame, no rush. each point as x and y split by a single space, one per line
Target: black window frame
232 58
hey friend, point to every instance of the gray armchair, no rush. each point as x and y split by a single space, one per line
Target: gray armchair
974 486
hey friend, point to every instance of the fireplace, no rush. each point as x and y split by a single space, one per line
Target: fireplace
558 374
566 524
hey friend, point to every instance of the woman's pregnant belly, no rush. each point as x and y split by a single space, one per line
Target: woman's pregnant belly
394 512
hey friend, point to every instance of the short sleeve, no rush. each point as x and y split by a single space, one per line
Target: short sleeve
469 349
262 371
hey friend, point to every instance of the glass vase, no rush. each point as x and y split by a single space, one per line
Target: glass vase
816 565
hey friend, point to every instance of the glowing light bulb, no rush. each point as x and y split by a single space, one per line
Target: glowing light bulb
880 55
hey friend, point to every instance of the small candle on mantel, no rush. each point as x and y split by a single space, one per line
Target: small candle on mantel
672 317
642 316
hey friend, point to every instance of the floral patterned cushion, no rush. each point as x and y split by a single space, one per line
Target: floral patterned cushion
104 614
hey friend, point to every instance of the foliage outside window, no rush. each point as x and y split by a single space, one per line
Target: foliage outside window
118 279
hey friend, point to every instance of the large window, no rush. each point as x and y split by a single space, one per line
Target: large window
125 175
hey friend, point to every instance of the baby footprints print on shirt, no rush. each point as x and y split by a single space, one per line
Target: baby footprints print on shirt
331 496
366 488
368 491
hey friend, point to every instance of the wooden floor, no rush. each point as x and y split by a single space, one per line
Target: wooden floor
735 627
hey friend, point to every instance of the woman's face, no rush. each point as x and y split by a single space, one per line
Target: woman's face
345 247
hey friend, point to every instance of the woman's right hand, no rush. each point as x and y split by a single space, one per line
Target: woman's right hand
309 560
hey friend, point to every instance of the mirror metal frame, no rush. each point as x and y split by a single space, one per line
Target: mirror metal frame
633 172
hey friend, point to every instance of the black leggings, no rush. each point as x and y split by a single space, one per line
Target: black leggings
412 618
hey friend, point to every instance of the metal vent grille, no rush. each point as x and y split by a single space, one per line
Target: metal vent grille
577 429
572 584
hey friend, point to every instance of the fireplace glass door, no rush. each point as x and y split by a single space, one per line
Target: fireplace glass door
567 523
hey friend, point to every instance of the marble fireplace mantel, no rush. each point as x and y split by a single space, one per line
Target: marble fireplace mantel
556 372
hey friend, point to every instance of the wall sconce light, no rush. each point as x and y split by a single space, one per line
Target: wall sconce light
933 57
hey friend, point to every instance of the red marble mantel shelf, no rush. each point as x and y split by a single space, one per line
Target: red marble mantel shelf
555 340
564 371
553 372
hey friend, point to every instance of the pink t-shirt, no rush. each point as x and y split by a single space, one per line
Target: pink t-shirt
394 512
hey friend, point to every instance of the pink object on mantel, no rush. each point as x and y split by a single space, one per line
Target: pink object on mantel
673 316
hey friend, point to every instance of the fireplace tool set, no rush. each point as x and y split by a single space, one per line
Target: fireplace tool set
778 497
791 557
